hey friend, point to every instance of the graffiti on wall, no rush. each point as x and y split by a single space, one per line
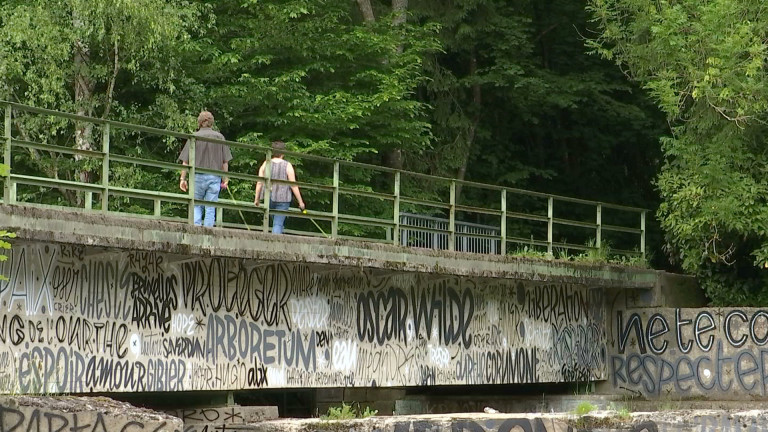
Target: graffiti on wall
79 319
691 351
231 415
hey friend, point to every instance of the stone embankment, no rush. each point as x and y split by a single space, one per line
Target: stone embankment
85 414
604 421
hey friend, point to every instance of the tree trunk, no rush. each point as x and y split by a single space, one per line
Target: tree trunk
366 9
84 88
394 158
477 99
112 79
399 9
83 97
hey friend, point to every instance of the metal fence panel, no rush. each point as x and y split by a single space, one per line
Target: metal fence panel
467 234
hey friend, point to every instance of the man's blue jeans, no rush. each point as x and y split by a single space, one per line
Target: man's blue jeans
278 220
207 187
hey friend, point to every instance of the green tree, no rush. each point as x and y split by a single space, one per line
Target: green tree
74 55
92 57
704 64
310 72
515 94
486 52
518 101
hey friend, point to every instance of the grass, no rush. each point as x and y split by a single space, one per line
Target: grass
624 414
347 412
529 252
614 420
584 408
630 261
593 255
583 422
621 412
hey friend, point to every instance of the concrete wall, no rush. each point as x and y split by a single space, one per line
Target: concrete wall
689 353
92 319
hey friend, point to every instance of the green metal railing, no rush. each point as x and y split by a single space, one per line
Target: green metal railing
534 224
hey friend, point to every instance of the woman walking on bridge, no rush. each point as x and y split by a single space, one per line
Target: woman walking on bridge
280 193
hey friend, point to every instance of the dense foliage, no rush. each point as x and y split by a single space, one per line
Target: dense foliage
109 59
306 71
94 57
704 64
545 114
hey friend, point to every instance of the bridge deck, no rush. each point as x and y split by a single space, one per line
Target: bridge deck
77 227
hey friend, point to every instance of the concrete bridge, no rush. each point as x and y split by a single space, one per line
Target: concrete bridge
104 304
100 300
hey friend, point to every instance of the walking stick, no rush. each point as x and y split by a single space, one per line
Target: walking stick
239 211
318 226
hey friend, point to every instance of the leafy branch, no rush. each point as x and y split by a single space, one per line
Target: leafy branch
4 245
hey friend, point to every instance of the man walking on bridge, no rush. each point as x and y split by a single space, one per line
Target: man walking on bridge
208 155
280 193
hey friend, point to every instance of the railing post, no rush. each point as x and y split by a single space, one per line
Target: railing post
642 233
88 205
335 208
452 218
599 228
550 217
105 168
7 154
503 221
396 211
267 189
191 182
158 207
